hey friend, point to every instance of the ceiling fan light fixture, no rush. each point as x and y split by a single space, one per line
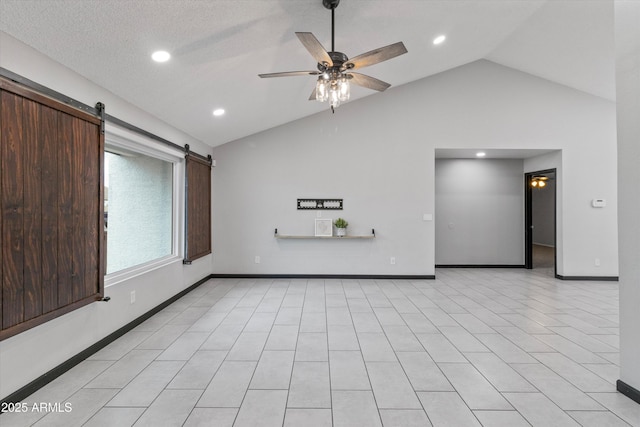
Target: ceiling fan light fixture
334 99
335 89
539 181
322 90
344 88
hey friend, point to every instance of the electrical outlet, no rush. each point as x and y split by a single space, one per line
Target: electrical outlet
133 297
392 260
257 259
597 262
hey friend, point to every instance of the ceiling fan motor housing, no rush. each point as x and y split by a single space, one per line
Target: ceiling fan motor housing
338 59
330 4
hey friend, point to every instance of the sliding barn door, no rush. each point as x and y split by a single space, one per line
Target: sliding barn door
50 208
198 208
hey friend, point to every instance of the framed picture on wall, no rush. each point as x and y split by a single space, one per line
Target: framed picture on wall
324 227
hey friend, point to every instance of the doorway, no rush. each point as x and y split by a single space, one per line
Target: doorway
540 221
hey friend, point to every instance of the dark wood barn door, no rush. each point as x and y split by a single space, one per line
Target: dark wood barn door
50 208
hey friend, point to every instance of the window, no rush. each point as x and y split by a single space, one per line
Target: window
139 204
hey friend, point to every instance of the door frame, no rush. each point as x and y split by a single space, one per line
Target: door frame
528 219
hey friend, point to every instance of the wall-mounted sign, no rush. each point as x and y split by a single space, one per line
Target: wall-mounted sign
331 204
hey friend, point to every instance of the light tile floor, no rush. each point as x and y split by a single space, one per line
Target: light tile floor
474 347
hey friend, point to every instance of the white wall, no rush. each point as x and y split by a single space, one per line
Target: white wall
627 18
21 356
479 211
378 154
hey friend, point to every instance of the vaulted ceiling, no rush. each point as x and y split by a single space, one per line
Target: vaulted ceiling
219 47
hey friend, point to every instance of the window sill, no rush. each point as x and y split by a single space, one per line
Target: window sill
138 270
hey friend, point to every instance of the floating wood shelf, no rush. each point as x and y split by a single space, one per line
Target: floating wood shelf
288 236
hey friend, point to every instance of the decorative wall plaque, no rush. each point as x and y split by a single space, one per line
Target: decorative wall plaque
325 204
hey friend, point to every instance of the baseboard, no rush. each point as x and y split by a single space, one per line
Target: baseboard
479 266
325 276
589 278
631 392
54 373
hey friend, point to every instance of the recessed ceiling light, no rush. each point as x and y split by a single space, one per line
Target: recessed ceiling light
161 56
218 112
439 39
481 154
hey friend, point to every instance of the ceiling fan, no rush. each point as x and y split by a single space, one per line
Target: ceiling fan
335 69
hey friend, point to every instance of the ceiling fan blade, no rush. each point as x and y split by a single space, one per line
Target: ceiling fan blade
290 73
313 95
368 82
375 56
314 47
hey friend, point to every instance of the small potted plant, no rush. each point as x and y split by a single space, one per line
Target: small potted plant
341 227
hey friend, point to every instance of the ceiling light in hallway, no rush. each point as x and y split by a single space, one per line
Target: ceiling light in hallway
161 56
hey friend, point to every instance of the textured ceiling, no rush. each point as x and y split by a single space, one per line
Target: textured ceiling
218 47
